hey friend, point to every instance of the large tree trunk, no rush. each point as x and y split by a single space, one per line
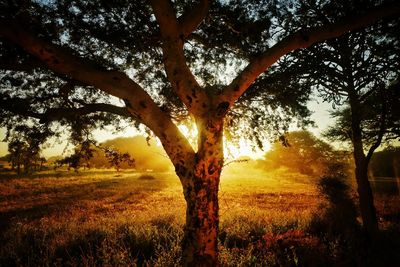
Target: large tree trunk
200 244
200 186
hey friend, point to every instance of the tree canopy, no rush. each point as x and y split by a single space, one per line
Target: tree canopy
123 38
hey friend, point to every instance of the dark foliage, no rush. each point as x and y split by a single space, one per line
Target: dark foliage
386 163
115 158
337 226
124 36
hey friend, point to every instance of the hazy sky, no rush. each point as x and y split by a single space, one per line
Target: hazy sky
320 116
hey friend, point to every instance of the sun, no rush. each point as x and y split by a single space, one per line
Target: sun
231 150
244 148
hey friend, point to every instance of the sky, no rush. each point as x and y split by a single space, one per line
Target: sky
320 116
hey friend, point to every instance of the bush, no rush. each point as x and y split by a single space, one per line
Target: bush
336 222
146 177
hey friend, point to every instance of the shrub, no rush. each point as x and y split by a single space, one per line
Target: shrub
336 222
146 177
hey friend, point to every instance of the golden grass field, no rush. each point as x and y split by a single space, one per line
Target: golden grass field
109 218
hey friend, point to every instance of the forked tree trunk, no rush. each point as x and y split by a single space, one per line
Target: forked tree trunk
366 198
200 187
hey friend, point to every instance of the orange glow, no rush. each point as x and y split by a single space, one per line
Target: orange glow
231 150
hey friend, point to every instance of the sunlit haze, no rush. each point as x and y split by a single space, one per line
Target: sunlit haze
232 151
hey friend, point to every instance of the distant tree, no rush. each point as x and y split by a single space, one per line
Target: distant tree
80 158
115 158
17 150
165 60
24 146
84 153
147 154
358 71
72 161
42 161
301 152
7 157
386 163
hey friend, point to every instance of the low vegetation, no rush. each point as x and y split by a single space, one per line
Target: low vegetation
109 218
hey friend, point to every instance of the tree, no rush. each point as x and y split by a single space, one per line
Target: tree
303 153
144 154
62 61
81 156
115 158
386 163
17 151
24 146
73 161
359 70
367 122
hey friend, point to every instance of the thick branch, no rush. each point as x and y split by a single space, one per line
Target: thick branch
116 83
62 61
11 64
381 132
191 19
21 106
303 39
182 79
68 113
383 121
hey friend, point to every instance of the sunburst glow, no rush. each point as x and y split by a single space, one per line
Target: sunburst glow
231 150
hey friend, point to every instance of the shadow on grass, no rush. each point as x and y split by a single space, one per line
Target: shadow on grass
60 198
345 242
6 175
157 244
333 237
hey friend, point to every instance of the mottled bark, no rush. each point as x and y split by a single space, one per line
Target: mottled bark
182 80
200 243
200 187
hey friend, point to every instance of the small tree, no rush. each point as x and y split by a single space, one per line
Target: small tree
17 150
72 161
115 158
386 163
25 146
301 152
358 71
81 156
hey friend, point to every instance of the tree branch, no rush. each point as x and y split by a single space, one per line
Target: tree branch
21 107
138 102
303 39
181 78
71 113
191 19
381 130
11 64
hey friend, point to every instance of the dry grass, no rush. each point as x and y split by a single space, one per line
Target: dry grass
108 218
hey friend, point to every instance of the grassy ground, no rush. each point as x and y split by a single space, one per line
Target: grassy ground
105 218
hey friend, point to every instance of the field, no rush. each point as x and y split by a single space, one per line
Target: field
108 218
